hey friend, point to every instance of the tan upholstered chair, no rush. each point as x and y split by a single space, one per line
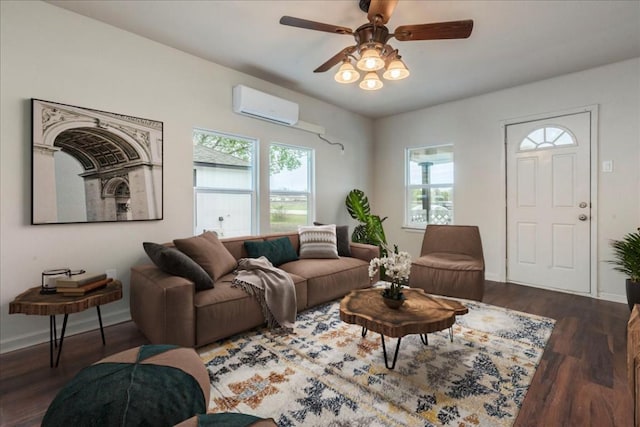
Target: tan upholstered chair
451 262
633 360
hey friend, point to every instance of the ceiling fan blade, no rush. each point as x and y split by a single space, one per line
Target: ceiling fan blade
335 59
312 25
381 8
436 31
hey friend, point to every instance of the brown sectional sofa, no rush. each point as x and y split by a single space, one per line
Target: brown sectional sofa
168 310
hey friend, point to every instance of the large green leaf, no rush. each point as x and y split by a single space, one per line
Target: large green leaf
375 230
359 234
627 255
358 205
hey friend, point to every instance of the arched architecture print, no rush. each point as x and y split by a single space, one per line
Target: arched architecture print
92 166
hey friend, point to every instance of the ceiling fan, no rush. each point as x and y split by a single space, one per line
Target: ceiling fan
371 43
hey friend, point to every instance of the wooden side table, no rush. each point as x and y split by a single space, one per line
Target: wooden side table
33 302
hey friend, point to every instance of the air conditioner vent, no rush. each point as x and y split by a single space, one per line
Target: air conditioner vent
260 105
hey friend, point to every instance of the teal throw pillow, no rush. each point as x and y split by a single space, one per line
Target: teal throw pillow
277 251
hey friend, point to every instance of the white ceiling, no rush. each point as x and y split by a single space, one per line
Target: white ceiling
513 42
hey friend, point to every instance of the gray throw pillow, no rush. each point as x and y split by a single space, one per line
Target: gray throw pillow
172 261
342 234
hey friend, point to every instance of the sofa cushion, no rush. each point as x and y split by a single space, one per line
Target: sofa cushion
227 310
207 250
318 241
229 292
343 239
328 279
277 251
172 261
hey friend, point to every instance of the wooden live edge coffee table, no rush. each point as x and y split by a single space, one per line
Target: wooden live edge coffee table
420 314
33 302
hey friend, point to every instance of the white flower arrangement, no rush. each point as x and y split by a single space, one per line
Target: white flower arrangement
397 267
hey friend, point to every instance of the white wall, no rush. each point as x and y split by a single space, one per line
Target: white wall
474 126
52 54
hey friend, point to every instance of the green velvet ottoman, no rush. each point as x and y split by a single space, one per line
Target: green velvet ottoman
227 419
152 385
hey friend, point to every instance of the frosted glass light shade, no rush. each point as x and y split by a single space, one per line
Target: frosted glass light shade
371 81
346 73
370 60
396 70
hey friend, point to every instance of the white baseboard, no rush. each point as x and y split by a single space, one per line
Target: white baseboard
613 297
73 328
493 277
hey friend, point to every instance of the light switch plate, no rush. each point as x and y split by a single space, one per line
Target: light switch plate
607 166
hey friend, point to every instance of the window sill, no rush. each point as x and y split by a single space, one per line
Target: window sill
413 228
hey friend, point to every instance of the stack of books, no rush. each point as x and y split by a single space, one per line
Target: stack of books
80 284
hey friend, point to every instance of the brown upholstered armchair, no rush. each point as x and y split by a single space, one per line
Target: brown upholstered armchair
451 262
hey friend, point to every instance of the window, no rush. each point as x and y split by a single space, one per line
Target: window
224 180
429 190
547 137
291 201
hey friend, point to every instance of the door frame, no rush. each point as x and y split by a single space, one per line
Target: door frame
593 173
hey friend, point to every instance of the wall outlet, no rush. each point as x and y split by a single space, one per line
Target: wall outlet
112 273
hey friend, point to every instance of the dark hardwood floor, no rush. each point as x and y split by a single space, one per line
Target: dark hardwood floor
581 380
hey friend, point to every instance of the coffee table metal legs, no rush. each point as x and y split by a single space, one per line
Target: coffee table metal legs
395 356
423 337
53 338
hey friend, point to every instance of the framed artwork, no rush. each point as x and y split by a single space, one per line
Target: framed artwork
94 166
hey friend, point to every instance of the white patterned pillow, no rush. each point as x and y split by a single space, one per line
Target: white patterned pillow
318 241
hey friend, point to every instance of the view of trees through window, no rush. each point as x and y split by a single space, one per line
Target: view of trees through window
225 181
290 184
429 186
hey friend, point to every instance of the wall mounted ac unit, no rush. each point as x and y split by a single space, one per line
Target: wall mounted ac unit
260 105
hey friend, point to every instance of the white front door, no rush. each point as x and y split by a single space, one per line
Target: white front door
548 202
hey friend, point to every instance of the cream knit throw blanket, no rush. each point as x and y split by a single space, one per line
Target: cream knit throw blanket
272 287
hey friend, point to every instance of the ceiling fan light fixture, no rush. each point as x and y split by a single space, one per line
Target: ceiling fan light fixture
370 60
396 70
346 73
371 81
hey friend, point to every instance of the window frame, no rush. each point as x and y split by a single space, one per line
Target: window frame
409 188
311 200
252 192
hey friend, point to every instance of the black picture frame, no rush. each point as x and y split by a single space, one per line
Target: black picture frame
91 165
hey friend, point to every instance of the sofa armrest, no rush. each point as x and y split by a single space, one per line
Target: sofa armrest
364 251
162 306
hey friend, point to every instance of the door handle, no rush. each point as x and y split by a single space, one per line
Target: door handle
582 217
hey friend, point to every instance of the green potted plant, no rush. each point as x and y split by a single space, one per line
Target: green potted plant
627 261
370 229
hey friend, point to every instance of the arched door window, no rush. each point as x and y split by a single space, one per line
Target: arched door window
547 137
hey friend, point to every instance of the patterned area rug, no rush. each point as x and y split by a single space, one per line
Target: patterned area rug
327 374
